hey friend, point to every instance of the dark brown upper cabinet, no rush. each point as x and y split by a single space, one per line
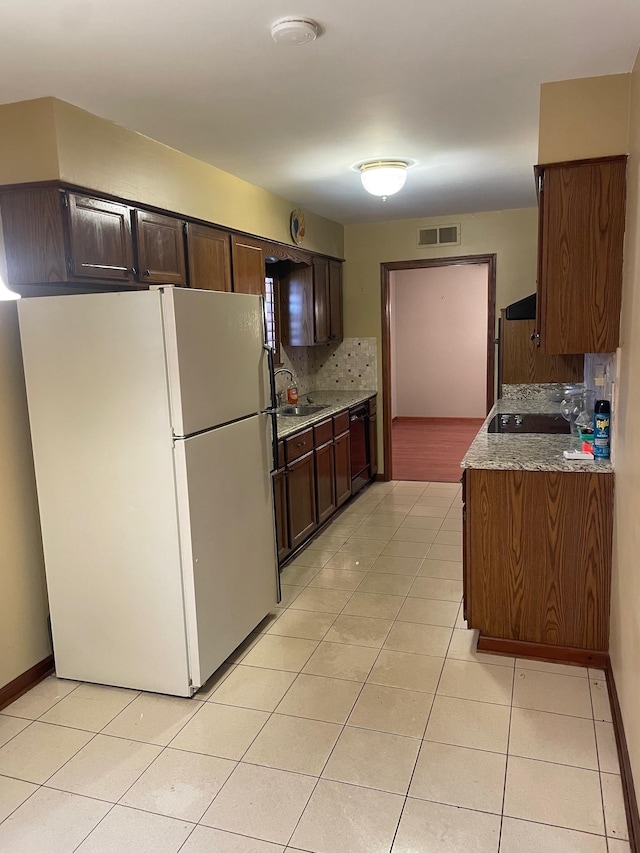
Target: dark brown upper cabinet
311 303
160 242
335 300
209 254
321 303
61 239
55 237
100 239
580 247
248 265
521 362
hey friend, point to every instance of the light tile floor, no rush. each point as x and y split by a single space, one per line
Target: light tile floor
358 718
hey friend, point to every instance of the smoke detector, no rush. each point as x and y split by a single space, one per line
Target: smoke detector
294 31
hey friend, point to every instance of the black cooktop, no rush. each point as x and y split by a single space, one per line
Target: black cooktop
543 423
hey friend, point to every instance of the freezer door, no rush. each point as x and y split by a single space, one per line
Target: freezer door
227 538
218 370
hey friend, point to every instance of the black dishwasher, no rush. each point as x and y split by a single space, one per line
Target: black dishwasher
359 441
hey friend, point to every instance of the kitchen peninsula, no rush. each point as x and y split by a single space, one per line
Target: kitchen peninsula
537 539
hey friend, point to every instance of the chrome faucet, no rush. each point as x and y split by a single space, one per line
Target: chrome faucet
283 370
275 373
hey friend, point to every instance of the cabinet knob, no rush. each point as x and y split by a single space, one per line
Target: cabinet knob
535 337
147 273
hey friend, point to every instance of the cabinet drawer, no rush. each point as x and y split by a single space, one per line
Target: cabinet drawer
341 423
322 433
299 444
373 406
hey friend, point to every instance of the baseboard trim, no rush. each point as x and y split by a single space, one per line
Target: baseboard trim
14 689
628 788
543 651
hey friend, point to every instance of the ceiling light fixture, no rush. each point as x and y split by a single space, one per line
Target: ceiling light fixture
5 293
383 177
294 30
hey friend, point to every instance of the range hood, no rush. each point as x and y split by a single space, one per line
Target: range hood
523 309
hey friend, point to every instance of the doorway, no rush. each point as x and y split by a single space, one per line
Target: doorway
438 362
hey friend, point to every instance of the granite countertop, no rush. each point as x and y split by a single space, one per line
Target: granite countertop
527 452
334 401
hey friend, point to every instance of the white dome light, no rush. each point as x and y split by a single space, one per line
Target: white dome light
294 31
5 293
383 177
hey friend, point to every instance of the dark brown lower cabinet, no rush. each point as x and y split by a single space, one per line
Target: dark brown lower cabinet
342 454
537 548
325 481
373 445
282 522
301 499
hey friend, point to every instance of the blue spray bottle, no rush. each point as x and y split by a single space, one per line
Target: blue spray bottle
602 429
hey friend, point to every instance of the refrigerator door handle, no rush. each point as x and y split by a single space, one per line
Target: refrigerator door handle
272 410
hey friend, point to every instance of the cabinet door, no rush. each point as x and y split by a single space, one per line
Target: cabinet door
99 239
335 300
248 266
529 577
321 306
373 446
282 522
160 241
301 499
343 468
522 362
581 237
325 481
296 306
209 254
466 603
33 236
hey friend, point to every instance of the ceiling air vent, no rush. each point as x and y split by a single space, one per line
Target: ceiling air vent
439 235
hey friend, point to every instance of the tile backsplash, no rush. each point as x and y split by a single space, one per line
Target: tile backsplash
351 365
601 366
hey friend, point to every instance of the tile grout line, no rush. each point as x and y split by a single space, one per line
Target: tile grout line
595 735
506 764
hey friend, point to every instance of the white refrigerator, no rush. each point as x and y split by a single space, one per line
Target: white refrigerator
153 452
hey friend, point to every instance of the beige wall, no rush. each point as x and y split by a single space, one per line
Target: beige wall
28 150
441 341
625 599
510 234
104 156
24 638
584 118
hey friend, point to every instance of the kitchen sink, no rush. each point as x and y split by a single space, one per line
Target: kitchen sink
300 411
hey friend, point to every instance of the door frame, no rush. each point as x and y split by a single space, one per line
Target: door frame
393 266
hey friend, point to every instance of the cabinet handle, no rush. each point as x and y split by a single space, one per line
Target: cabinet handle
147 273
301 444
105 267
536 337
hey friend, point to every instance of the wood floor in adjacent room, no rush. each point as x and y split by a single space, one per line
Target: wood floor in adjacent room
431 448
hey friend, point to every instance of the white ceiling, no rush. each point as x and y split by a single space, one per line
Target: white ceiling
452 85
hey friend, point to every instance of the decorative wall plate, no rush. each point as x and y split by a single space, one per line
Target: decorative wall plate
297 226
